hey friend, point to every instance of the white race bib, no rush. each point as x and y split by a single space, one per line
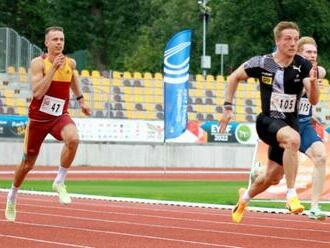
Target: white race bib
284 103
304 106
52 105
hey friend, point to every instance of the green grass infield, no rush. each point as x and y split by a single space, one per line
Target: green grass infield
215 192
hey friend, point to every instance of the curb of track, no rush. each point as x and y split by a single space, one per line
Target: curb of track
160 202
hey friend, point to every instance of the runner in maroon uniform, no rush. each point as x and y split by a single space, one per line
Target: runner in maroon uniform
52 77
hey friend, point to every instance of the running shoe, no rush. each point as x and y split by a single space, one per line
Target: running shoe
316 214
63 195
11 210
294 205
239 209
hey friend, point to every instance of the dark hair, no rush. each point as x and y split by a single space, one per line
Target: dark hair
54 28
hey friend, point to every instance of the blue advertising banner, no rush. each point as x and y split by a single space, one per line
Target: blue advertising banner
176 76
12 126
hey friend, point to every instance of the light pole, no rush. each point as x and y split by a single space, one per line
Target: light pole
205 60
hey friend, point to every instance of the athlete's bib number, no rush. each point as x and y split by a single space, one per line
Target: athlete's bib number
304 106
282 102
52 105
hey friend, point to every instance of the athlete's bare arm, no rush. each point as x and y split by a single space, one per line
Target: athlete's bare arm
77 91
311 86
41 82
74 81
232 82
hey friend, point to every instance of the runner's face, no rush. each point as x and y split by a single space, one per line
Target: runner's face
309 52
55 42
287 42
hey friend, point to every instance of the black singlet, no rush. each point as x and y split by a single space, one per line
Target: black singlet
280 88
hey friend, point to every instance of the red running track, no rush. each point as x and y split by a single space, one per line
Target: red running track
43 222
125 173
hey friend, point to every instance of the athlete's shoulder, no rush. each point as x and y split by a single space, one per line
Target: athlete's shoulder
71 61
321 72
302 65
260 61
253 62
37 62
298 59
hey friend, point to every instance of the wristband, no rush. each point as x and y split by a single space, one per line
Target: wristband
228 106
79 97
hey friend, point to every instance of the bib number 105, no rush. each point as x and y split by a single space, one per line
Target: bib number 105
282 102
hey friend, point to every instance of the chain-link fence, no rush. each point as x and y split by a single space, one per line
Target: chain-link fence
15 50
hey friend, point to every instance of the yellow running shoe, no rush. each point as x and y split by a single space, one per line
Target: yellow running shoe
63 195
294 205
238 211
10 210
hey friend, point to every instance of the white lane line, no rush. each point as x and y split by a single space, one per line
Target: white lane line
9 172
175 219
307 221
173 204
43 241
190 229
161 202
284 201
126 234
194 212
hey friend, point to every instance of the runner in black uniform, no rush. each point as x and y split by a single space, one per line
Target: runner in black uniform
280 90
282 76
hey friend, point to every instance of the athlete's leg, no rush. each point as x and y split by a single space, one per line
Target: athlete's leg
284 141
289 140
35 133
34 136
273 175
65 130
317 153
71 141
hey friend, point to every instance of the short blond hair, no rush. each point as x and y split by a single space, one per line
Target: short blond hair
305 40
284 25
53 28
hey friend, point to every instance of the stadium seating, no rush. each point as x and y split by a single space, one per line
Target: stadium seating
116 75
147 76
136 95
11 70
96 74
220 79
85 73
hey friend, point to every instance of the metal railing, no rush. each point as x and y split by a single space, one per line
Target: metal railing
15 50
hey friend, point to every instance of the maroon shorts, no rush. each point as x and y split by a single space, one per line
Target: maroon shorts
36 132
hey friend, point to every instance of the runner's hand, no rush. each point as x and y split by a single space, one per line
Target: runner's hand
85 109
313 73
58 61
226 117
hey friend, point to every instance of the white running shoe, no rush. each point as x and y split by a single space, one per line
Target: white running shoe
63 195
11 210
316 214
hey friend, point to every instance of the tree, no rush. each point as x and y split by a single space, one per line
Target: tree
131 35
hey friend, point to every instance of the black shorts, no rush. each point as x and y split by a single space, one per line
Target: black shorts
267 129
